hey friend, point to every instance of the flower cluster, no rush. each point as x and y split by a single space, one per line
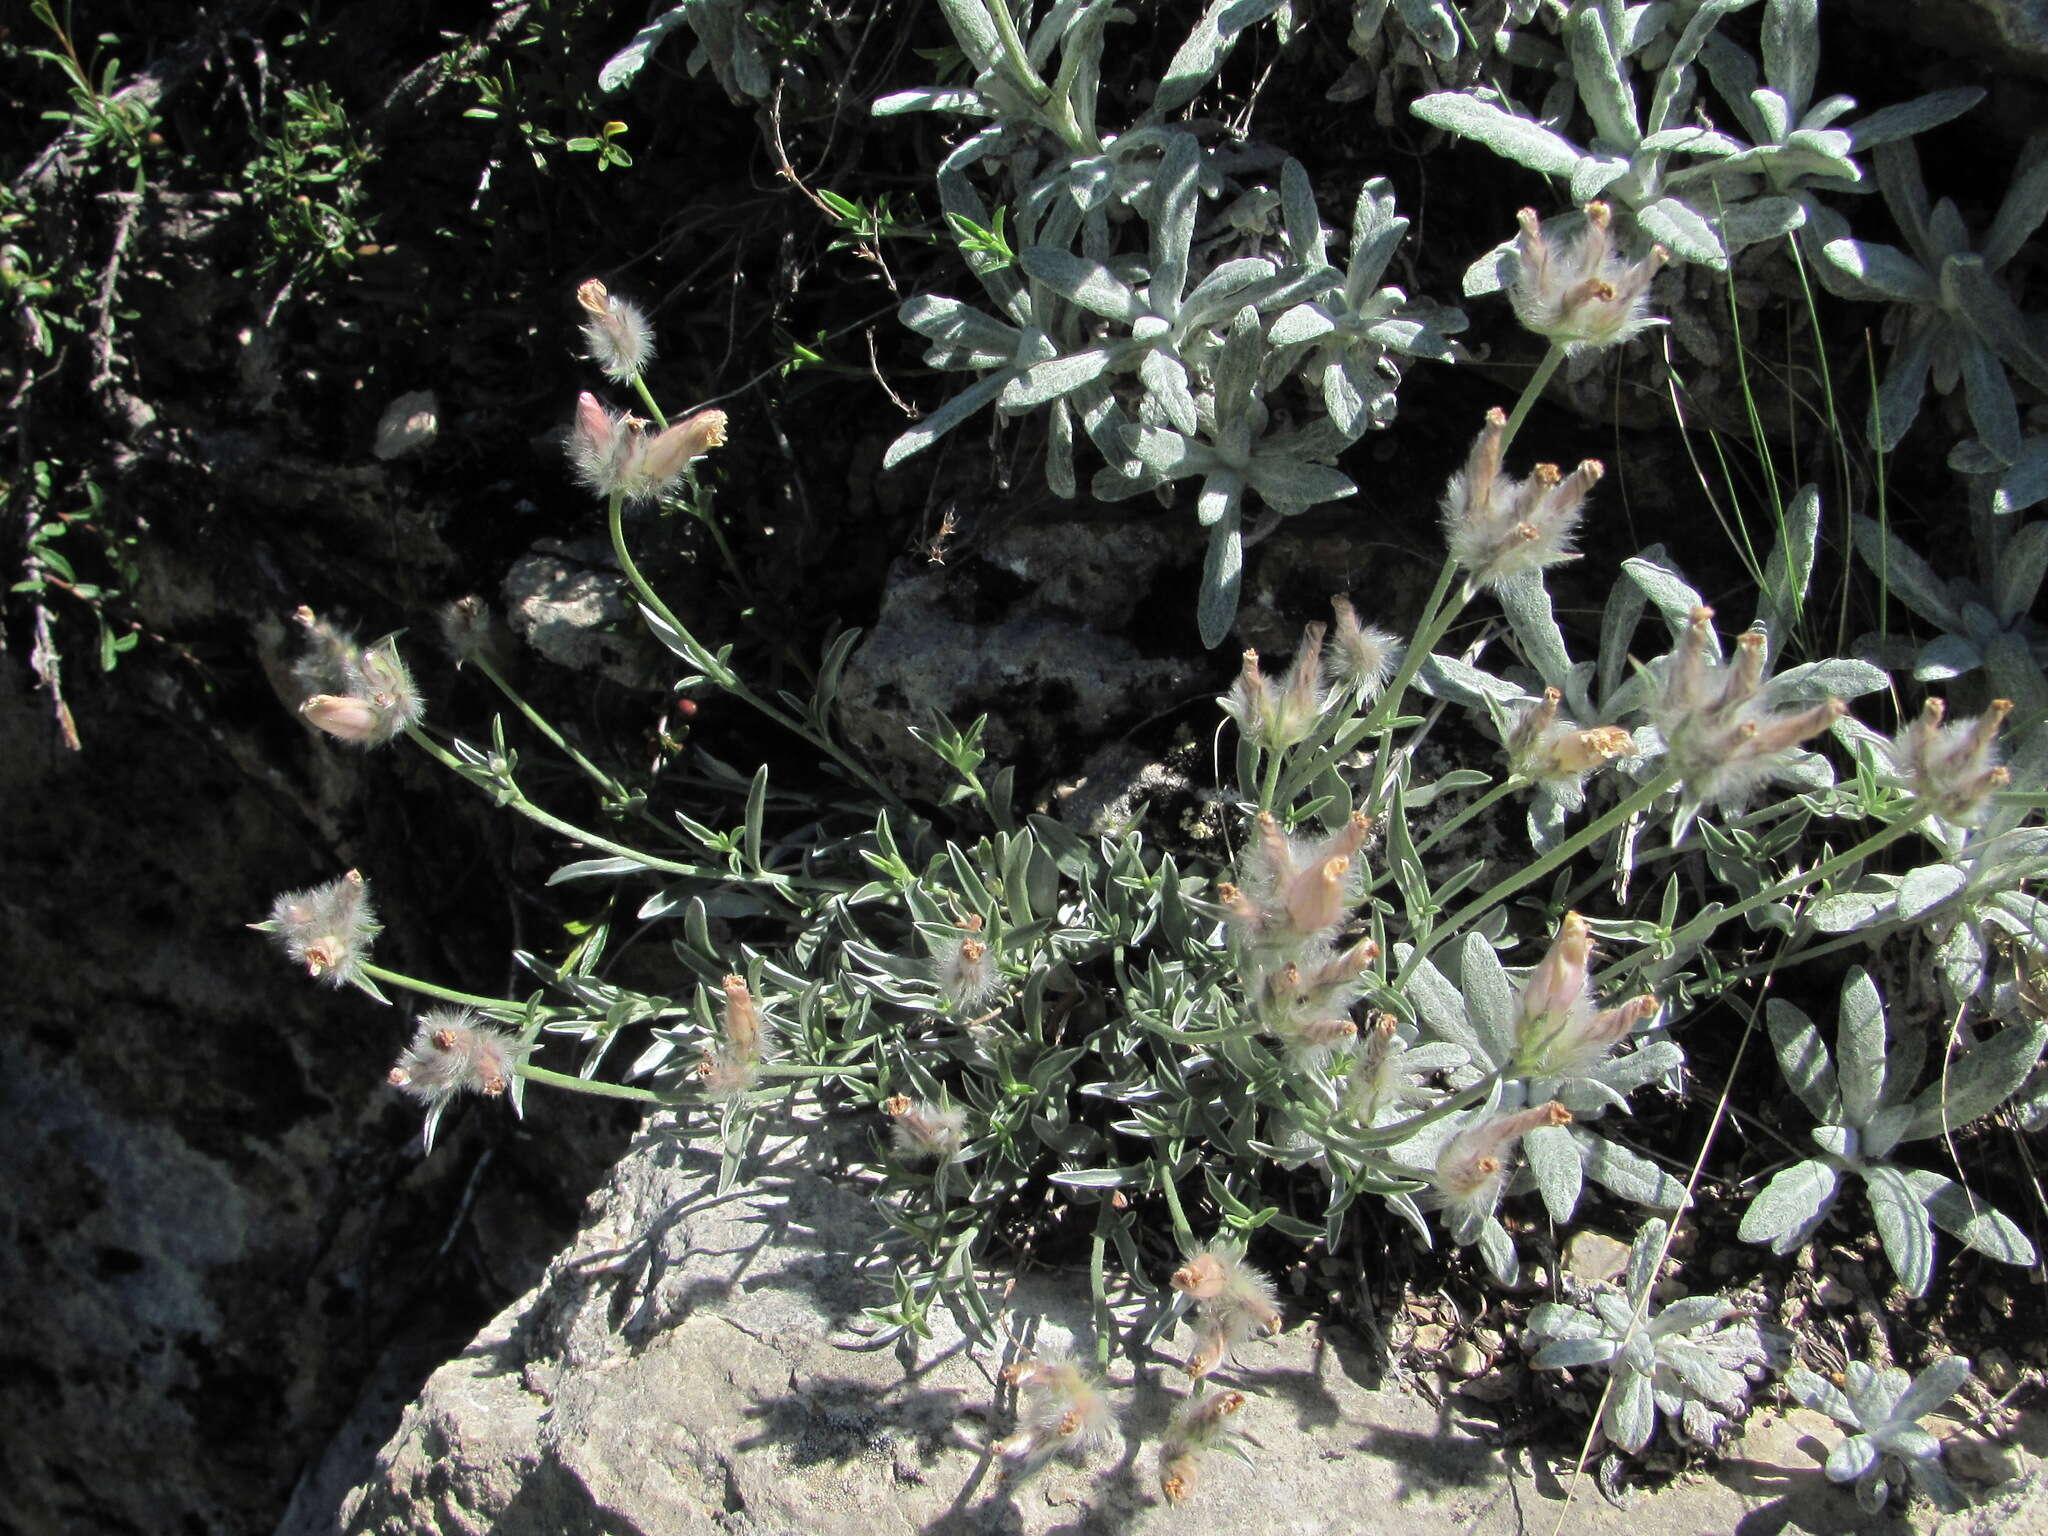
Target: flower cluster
923 1131
1233 1303
1557 754
1558 1032
452 1053
1953 766
1497 527
1064 1412
356 693
1197 1425
614 454
327 929
1584 295
1722 735
1472 1169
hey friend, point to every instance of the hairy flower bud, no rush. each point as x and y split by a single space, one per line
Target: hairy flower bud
616 336
1545 749
1233 1303
1719 732
453 1052
328 928
1198 1424
1583 295
1299 889
1063 1411
1361 657
1953 766
1472 1169
964 966
1497 527
922 1130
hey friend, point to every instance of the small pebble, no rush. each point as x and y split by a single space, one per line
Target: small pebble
1465 1359
1995 1369
1833 1293
1591 1257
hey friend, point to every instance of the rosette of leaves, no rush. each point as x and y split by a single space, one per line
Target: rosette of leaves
1691 1361
1972 902
1479 1013
1355 334
1796 150
1234 455
1889 1447
1628 157
1863 1096
1993 627
1953 319
1159 332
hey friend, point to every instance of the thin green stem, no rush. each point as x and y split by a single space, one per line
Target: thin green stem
516 800
1694 933
1478 807
717 671
539 722
1538 382
1563 853
1437 614
494 1005
599 1090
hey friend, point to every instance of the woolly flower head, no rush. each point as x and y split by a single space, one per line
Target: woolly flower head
1473 1167
1278 717
1497 527
362 694
1558 1032
616 336
327 928
1584 294
1295 889
1197 1425
964 965
923 1131
613 454
1063 1411
1360 657
1955 765
1305 1002
452 1052
1554 752
1233 1302
1721 734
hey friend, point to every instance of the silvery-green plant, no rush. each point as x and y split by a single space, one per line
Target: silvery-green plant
1954 319
1800 148
1864 1096
1638 128
1888 1446
1544 1040
1692 1360
1173 353
1989 625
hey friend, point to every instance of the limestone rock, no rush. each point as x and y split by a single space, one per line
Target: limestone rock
694 1364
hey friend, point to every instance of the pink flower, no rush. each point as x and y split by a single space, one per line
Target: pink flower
1497 527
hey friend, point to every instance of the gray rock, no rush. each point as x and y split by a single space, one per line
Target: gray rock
1052 662
570 603
693 1364
1591 1257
